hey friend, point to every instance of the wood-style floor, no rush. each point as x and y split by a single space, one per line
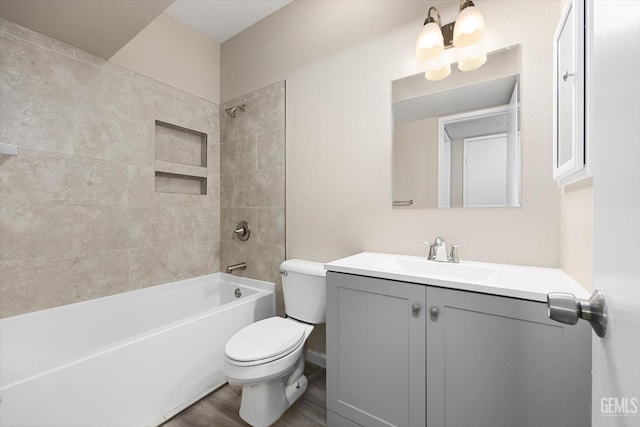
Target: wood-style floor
220 408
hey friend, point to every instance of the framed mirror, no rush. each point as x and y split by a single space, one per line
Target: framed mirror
456 142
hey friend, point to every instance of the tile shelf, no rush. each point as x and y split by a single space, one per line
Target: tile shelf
180 169
180 160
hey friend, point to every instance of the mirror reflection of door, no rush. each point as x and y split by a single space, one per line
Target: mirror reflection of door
485 171
477 157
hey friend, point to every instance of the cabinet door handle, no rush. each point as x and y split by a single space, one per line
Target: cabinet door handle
433 311
415 308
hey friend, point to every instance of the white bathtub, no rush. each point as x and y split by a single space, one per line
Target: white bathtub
131 359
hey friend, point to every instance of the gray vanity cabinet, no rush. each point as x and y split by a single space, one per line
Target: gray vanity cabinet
405 354
497 361
375 352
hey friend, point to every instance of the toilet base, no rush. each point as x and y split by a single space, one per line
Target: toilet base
264 403
294 391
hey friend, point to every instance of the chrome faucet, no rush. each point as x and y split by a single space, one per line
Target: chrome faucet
234 267
438 251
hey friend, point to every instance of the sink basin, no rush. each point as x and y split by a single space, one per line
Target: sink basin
516 281
451 271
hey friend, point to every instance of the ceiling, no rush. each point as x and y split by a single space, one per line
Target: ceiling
222 19
100 27
465 98
103 27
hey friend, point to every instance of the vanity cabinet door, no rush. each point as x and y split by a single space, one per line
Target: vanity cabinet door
375 352
497 361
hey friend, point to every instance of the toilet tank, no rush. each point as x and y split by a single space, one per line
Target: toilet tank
305 290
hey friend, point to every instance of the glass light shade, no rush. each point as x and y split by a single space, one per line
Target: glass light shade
435 74
472 63
430 42
469 27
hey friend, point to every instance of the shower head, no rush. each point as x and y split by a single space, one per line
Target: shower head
232 110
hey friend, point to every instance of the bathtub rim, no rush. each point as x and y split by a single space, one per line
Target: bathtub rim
262 288
255 283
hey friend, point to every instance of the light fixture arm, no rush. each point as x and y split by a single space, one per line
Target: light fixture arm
430 18
464 4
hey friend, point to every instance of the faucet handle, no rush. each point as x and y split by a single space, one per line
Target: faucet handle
453 256
432 250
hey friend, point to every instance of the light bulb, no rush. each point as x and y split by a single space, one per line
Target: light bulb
430 42
472 57
472 63
469 27
435 74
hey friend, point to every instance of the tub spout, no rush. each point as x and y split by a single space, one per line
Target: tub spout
240 266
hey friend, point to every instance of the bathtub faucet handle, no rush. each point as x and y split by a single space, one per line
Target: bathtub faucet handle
243 231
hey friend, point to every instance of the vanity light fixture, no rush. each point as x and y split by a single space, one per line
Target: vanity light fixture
464 33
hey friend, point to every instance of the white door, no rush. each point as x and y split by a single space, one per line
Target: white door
615 139
513 151
485 171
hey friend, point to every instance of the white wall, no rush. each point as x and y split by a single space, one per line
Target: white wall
577 232
339 58
172 53
415 162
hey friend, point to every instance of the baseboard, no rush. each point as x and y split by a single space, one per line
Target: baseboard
317 358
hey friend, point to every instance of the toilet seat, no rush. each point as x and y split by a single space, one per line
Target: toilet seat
265 341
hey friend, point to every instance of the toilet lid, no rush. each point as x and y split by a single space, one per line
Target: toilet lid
265 339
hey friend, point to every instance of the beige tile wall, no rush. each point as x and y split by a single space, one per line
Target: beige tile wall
252 174
79 217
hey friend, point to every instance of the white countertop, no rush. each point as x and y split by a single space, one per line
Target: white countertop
524 282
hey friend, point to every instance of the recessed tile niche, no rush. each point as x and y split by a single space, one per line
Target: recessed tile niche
181 160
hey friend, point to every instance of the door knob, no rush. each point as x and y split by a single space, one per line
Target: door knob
415 308
565 308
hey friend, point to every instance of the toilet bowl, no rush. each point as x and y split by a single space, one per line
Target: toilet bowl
267 358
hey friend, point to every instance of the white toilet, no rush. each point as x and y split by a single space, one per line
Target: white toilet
267 358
